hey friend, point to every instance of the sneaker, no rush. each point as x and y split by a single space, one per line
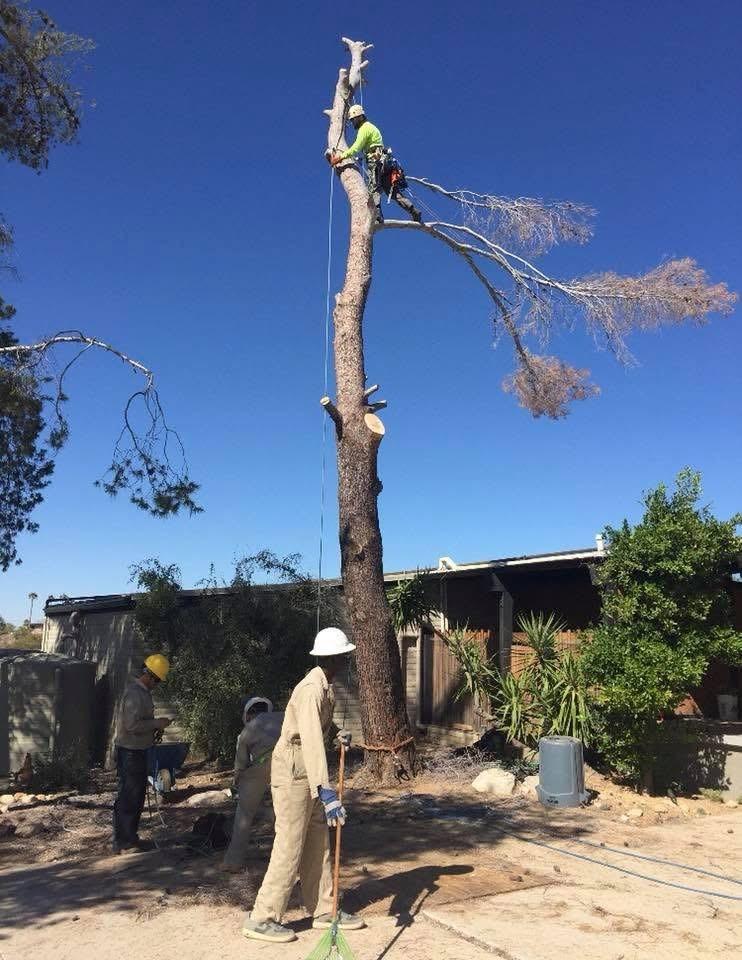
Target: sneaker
268 930
346 921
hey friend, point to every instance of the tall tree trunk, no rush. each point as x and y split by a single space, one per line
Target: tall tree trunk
383 709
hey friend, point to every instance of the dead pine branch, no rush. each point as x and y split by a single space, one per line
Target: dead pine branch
531 304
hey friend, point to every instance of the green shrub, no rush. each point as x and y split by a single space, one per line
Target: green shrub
716 796
232 640
61 770
666 614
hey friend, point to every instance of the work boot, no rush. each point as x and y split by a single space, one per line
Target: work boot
346 921
268 931
136 845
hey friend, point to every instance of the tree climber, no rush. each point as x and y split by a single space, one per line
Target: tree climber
304 802
383 171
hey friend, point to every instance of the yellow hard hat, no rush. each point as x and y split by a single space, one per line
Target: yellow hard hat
356 111
158 665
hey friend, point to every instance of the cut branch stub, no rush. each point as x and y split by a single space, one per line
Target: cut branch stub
333 412
375 426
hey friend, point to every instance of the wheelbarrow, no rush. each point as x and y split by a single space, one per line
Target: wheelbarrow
164 760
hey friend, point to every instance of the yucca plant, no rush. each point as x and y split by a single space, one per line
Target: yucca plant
479 676
512 706
569 709
548 696
541 633
410 602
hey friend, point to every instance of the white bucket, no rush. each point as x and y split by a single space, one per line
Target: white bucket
728 706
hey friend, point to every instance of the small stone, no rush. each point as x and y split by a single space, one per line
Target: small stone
516 878
76 917
634 813
528 787
557 869
500 783
623 818
730 830
30 829
210 798
6 799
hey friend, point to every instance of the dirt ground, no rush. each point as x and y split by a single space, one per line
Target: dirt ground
435 869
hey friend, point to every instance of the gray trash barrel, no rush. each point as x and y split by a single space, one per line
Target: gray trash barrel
561 772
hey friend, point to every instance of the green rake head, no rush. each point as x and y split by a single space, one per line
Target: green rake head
332 946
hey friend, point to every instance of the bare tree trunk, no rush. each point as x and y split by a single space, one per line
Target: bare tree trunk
358 434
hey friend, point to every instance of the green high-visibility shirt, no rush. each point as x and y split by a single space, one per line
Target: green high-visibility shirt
367 137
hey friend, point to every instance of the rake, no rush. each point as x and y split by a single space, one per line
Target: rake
333 945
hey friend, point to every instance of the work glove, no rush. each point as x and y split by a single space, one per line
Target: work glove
334 810
335 159
344 738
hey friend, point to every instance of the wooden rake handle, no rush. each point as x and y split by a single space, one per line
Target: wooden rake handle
338 829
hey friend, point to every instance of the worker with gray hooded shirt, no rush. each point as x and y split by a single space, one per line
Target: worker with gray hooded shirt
252 774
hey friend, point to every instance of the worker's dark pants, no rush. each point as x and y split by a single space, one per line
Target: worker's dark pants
132 774
378 184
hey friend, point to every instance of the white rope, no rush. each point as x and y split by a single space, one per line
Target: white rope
326 388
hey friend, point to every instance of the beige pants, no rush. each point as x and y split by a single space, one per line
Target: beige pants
252 785
301 846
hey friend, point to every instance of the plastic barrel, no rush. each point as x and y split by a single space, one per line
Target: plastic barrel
561 772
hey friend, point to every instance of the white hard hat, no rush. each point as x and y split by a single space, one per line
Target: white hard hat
356 111
330 642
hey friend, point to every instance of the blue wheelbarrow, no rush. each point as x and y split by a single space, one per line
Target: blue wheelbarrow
164 760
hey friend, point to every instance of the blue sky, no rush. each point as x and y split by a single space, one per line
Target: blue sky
189 225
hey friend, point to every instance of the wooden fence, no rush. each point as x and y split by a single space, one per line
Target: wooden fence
442 679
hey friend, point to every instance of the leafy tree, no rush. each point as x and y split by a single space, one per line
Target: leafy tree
25 464
497 239
666 614
39 109
229 640
39 102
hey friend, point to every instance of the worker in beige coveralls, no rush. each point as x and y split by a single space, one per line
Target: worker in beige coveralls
305 804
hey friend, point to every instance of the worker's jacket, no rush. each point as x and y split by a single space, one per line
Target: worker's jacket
257 740
299 756
136 724
368 138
